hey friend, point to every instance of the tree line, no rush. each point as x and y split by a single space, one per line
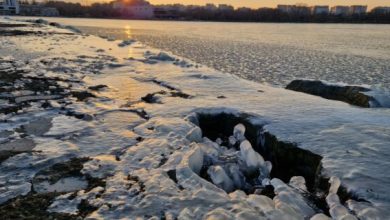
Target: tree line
105 10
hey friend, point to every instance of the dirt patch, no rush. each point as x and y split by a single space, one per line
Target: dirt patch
71 168
33 206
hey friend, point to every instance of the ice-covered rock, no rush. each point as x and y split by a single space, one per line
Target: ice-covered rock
220 178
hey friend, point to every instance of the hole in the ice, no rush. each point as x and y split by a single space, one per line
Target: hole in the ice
287 159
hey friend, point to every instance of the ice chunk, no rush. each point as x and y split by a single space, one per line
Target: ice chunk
338 211
320 217
334 184
195 135
232 141
332 200
288 198
266 182
218 141
237 176
265 170
195 159
218 214
298 182
220 178
239 132
261 202
252 159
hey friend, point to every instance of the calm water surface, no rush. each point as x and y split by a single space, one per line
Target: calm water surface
265 52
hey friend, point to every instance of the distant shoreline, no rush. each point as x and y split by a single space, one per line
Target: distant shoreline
206 21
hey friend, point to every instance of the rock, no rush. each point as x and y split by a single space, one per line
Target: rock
82 95
97 87
354 95
126 43
162 56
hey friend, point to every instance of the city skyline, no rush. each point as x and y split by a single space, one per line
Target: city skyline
261 3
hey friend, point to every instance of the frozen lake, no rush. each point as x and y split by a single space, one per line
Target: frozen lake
265 52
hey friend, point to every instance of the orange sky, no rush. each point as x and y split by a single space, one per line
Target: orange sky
273 3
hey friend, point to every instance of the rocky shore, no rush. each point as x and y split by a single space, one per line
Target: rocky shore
98 129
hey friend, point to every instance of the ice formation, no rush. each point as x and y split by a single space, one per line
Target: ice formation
253 160
336 209
220 178
239 133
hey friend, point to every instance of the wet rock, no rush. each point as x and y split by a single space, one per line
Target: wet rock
97 87
82 95
81 116
181 95
151 97
354 95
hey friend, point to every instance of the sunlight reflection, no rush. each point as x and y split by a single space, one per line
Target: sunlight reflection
128 36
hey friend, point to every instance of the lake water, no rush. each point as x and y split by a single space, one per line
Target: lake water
265 52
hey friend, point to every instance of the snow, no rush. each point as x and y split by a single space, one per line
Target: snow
161 173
